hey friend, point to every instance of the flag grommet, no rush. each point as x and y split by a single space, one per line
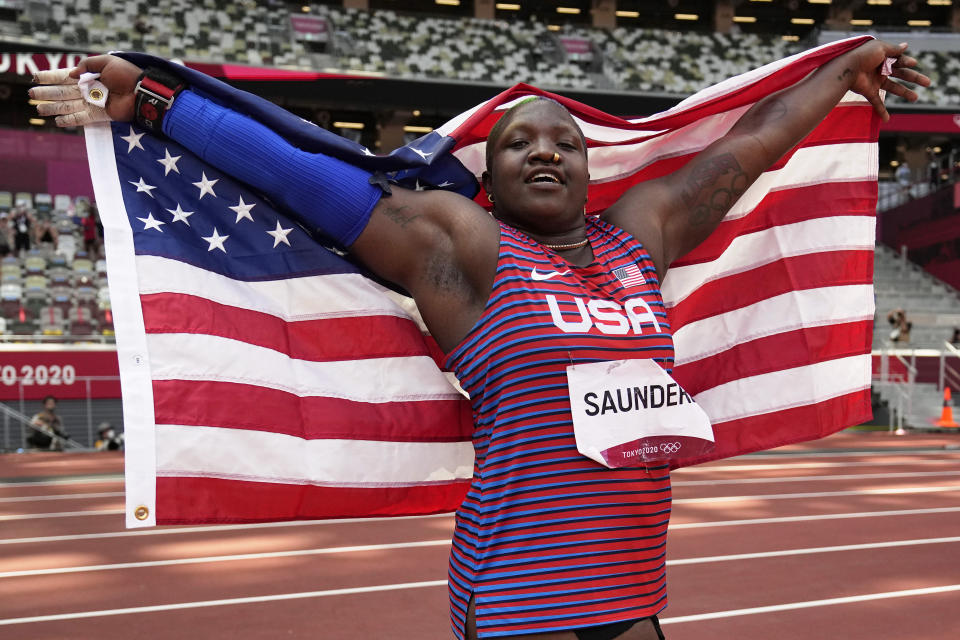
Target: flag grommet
141 513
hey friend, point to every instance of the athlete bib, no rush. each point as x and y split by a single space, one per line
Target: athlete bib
629 412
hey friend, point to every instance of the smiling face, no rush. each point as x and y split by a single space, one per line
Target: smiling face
532 192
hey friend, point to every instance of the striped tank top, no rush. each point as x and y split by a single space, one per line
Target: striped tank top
546 538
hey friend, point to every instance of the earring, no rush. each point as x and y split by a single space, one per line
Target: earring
490 197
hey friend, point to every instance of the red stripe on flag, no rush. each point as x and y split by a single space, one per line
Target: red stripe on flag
789 206
194 500
787 426
330 339
776 353
796 273
242 406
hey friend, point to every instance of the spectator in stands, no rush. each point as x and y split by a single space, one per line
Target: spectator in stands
904 179
91 233
52 433
900 333
6 237
446 251
22 222
45 234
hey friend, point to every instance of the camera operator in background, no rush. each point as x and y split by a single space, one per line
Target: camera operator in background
109 439
51 433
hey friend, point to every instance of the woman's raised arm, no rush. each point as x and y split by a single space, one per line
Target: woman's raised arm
674 214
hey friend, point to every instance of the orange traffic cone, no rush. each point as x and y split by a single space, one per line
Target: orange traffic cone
946 416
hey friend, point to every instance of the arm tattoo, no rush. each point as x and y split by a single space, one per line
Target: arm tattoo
767 112
713 188
400 215
843 75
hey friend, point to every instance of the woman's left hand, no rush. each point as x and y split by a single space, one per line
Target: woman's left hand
868 77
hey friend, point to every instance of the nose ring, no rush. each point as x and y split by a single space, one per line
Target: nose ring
556 157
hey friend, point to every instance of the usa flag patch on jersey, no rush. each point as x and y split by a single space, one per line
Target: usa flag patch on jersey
630 276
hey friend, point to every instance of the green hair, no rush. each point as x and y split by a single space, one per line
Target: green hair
497 129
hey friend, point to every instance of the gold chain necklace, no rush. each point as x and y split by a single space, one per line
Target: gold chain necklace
572 245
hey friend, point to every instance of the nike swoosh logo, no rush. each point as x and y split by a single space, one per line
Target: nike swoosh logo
547 274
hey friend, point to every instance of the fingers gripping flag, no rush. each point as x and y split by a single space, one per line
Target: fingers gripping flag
266 377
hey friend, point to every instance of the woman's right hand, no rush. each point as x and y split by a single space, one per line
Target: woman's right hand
60 88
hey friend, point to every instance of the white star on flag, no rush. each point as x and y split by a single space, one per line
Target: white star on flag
205 186
243 210
169 162
133 140
280 235
151 223
179 215
216 241
422 154
142 186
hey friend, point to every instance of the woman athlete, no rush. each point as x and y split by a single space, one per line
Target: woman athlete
549 545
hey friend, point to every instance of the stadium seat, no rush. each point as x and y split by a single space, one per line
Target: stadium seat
43 203
23 198
21 327
105 321
62 202
61 297
35 262
51 321
82 266
81 321
11 291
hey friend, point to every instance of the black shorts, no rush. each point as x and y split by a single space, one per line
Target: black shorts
614 629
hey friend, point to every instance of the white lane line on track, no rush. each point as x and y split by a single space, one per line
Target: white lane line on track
812 550
828 516
812 603
775 479
67 481
878 451
300 523
446 542
712 467
65 496
821 494
61 514
220 603
229 558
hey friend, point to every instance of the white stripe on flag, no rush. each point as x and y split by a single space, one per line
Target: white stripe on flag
749 251
258 456
769 392
778 314
414 378
852 162
132 353
307 298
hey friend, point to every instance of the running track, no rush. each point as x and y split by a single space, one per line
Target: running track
855 537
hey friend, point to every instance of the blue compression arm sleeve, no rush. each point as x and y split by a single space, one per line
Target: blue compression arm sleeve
323 192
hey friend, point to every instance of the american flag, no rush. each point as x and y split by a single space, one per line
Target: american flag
630 276
265 377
